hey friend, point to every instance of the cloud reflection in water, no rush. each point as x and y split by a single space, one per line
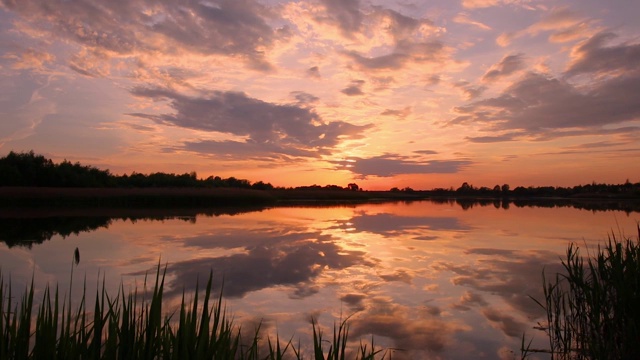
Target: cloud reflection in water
293 258
387 224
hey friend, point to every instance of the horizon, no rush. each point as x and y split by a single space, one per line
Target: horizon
254 181
380 93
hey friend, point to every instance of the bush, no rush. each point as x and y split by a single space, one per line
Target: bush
593 311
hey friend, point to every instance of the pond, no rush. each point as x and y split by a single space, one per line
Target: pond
428 280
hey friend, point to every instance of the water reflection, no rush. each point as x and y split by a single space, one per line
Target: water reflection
288 256
512 276
433 279
32 226
390 225
33 231
628 206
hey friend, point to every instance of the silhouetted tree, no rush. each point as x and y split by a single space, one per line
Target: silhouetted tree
262 186
465 188
29 169
353 187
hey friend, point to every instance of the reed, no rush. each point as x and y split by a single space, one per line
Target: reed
593 308
135 325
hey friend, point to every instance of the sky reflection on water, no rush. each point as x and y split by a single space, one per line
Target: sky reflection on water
431 279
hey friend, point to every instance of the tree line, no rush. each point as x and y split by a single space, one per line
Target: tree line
29 169
625 190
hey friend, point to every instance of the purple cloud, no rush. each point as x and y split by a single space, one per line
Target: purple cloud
270 128
390 164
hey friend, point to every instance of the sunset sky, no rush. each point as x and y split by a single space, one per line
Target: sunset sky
384 93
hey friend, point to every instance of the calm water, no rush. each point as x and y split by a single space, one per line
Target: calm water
435 280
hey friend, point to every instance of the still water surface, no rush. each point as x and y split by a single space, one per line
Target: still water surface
434 280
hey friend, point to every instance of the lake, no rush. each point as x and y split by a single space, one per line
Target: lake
430 280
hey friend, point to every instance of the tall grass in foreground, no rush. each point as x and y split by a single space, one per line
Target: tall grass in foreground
593 311
132 326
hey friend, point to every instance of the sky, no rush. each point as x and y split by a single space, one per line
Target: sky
423 94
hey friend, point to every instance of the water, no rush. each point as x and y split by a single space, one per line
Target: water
432 280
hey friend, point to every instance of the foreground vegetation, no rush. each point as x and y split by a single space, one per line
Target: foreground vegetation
593 309
135 326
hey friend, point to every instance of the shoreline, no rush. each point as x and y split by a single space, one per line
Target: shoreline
46 201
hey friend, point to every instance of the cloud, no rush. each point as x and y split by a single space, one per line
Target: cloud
353 20
84 23
303 98
464 18
131 38
426 152
345 14
403 113
563 23
478 4
507 66
224 27
558 19
543 106
390 164
505 39
423 52
628 138
592 56
474 4
314 72
137 127
392 61
403 40
595 145
243 150
433 80
470 90
402 27
90 63
24 99
26 58
269 128
574 32
425 238
354 89
494 138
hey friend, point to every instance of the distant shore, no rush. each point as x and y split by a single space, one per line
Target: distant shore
11 197
184 196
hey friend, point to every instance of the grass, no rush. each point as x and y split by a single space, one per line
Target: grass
135 326
593 308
